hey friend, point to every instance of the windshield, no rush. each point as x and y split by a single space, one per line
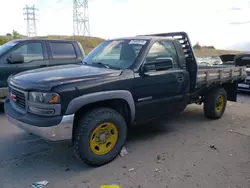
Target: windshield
7 46
117 54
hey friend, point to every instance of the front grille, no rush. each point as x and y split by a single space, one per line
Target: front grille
18 98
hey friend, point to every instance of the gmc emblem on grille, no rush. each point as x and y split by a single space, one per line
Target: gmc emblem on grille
12 96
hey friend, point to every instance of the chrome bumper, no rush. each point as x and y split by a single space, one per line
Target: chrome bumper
62 131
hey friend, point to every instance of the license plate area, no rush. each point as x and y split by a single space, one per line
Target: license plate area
243 85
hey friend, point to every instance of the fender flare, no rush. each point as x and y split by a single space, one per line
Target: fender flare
83 100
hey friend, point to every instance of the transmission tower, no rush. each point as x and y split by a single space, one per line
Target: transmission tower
30 17
80 18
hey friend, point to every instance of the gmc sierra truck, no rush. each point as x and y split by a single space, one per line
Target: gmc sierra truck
123 82
25 54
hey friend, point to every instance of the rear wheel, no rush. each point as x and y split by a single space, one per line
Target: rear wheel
99 136
215 103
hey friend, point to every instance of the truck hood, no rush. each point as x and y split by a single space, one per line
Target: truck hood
47 78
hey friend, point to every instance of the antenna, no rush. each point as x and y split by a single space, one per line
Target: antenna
30 17
80 18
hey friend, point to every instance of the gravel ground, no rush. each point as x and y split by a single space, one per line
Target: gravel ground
186 151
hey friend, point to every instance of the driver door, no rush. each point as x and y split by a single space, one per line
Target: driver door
34 57
161 91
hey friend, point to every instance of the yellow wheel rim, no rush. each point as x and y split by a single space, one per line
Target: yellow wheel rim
103 138
220 103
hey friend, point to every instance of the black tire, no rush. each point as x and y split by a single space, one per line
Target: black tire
86 126
210 107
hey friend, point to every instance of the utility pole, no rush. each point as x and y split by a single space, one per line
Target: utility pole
30 17
80 18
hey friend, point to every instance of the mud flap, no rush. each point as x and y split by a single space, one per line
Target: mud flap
232 90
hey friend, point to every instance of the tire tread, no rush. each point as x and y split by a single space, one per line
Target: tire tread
82 127
210 98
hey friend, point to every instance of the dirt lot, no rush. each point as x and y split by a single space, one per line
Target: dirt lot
174 153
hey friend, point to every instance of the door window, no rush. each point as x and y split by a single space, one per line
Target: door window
31 51
63 50
162 49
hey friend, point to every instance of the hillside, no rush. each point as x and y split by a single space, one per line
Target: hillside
206 52
88 43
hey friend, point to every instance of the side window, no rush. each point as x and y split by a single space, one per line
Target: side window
62 50
31 51
162 49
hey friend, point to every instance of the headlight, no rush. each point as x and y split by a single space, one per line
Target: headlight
46 98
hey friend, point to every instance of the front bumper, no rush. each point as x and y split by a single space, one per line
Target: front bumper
62 131
49 128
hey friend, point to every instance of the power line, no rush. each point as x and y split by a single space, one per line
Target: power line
80 18
30 17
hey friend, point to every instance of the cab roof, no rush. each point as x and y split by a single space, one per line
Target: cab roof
144 38
41 39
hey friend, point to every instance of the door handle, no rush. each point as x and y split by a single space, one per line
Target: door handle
180 78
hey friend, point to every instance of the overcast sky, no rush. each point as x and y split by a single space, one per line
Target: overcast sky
210 22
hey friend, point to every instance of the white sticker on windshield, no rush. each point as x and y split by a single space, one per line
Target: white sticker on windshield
141 42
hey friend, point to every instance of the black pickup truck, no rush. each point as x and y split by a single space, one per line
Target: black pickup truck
25 54
124 82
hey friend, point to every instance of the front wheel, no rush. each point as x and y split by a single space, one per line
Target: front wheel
99 136
215 103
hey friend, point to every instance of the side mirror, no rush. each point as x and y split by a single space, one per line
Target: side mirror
15 58
162 63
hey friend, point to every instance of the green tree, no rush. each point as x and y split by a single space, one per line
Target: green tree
15 35
211 47
9 35
197 46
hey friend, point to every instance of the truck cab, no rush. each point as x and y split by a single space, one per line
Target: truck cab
26 54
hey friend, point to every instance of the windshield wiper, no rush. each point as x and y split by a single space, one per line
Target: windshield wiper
102 64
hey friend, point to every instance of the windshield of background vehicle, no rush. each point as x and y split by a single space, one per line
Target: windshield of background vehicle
7 46
118 54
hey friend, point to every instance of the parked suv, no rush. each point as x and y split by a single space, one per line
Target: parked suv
25 54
